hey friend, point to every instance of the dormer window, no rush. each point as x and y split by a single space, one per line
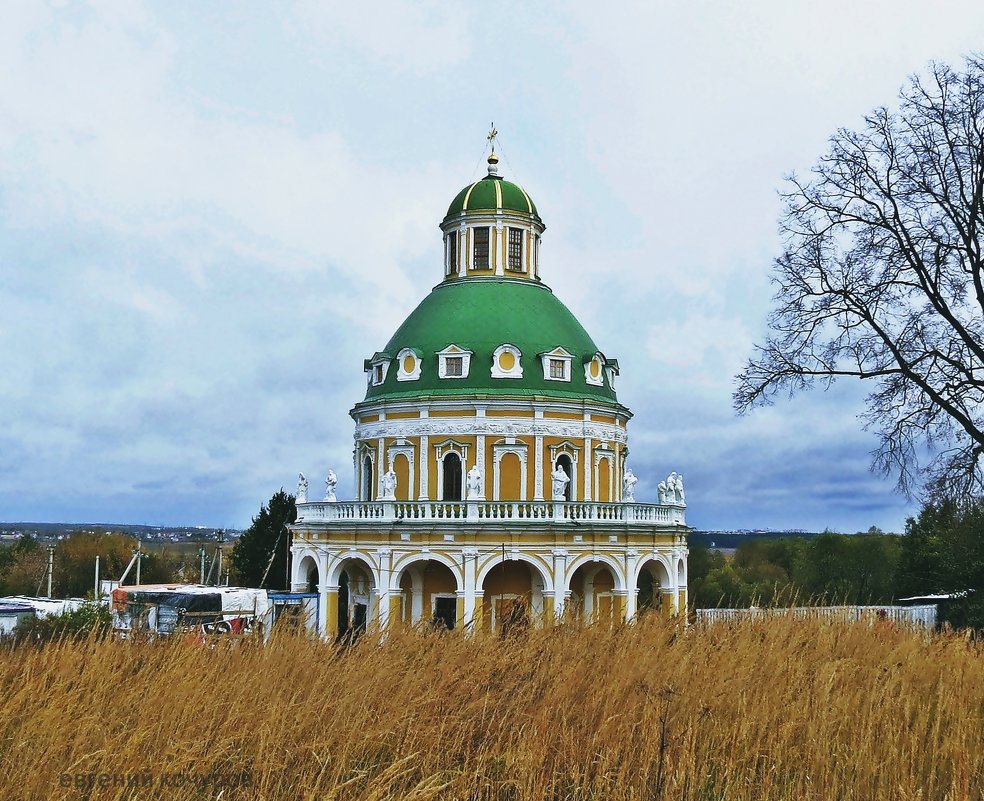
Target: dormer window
515 254
557 365
505 362
453 362
594 370
480 252
376 369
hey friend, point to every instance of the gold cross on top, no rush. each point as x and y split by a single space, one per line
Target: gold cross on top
493 133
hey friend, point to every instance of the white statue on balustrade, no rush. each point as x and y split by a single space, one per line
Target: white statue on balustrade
629 481
389 486
302 488
475 491
560 480
671 490
330 483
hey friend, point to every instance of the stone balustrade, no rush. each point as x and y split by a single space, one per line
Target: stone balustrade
527 512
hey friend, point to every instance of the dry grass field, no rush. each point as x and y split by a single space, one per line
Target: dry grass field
779 709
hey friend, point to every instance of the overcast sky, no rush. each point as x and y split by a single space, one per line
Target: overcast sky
210 213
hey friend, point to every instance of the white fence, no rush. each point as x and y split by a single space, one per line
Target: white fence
490 511
918 616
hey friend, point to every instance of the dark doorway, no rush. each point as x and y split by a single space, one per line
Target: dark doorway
452 477
359 614
312 580
367 483
343 615
445 612
648 598
564 462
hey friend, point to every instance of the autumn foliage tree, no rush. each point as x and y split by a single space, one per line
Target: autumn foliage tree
882 279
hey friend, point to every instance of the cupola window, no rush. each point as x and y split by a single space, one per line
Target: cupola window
452 252
480 253
594 370
408 365
557 365
453 362
505 362
515 260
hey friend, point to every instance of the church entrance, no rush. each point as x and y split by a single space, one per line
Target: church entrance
592 598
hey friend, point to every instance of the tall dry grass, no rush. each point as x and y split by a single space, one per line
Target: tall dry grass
777 709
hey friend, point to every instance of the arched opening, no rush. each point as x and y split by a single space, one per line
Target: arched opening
310 573
368 483
564 463
429 595
401 466
654 589
452 477
592 598
510 471
512 597
356 599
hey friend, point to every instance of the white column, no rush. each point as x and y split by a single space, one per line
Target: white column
588 468
559 579
470 572
499 250
632 594
537 455
380 466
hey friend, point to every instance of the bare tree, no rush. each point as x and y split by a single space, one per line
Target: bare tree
881 279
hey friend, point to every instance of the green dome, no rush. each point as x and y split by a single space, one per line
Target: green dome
490 194
479 315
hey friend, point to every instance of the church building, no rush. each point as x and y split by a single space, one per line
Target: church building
490 458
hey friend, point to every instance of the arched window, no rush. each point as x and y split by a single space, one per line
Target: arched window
564 462
452 477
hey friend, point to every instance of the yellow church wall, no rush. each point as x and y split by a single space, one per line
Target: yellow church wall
402 415
369 418
509 477
452 413
604 490
563 415
401 466
601 418
509 413
511 578
438 580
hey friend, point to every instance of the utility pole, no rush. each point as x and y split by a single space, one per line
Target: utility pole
139 560
201 558
95 590
51 565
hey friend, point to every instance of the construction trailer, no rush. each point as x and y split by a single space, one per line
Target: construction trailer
205 610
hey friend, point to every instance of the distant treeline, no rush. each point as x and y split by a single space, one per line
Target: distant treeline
942 551
732 539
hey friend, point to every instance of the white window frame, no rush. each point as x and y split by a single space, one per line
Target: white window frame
522 249
517 368
562 355
453 351
374 368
